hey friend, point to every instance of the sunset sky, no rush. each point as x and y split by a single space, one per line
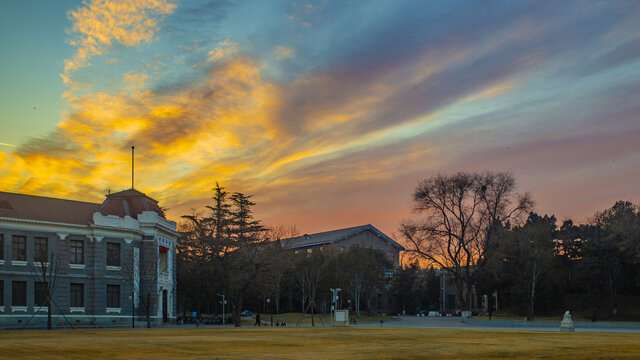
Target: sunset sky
329 112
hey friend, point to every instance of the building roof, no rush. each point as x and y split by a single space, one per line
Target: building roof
330 237
129 202
43 208
31 207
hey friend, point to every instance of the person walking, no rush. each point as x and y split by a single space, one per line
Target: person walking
257 319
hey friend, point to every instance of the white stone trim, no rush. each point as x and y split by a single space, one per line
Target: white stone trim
114 268
41 309
77 309
1 308
18 262
63 230
114 310
77 266
1 262
38 264
19 308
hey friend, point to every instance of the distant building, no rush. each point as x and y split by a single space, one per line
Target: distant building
364 235
109 255
448 299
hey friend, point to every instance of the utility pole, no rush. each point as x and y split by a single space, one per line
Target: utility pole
224 314
132 168
133 311
334 301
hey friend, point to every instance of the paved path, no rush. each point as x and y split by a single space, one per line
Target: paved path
455 323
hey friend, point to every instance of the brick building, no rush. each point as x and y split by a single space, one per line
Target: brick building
109 257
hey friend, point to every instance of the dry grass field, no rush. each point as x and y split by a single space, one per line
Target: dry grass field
313 343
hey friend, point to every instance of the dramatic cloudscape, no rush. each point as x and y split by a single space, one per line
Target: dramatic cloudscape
329 112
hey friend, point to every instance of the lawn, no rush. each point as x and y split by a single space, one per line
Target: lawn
312 343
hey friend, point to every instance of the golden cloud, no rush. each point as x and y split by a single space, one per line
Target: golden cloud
98 24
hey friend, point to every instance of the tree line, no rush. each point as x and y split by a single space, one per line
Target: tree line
486 236
225 251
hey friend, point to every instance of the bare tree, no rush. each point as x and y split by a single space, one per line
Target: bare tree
460 215
142 278
310 271
47 273
281 259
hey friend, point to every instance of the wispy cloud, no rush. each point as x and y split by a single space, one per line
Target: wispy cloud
374 99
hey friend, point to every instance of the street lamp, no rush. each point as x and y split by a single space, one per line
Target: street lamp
133 312
224 315
270 310
334 301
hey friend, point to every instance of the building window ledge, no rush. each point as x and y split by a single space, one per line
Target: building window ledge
76 309
1 308
1 262
19 262
40 309
114 268
114 310
38 264
19 309
76 266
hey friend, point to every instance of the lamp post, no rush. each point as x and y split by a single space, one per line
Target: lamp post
334 301
224 314
270 310
133 312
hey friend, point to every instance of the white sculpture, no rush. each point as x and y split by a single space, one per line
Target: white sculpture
567 324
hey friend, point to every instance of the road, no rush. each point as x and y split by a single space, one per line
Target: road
455 323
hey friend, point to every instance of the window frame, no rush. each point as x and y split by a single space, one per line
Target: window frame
113 299
73 287
36 295
15 293
17 250
73 252
111 257
37 248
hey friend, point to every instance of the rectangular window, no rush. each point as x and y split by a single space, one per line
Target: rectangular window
41 249
19 293
76 296
40 294
113 254
451 301
19 248
1 292
163 262
113 296
1 247
76 251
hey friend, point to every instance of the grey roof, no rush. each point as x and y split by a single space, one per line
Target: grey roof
42 208
330 237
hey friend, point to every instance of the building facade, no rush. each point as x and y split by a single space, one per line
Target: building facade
449 303
339 240
110 262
